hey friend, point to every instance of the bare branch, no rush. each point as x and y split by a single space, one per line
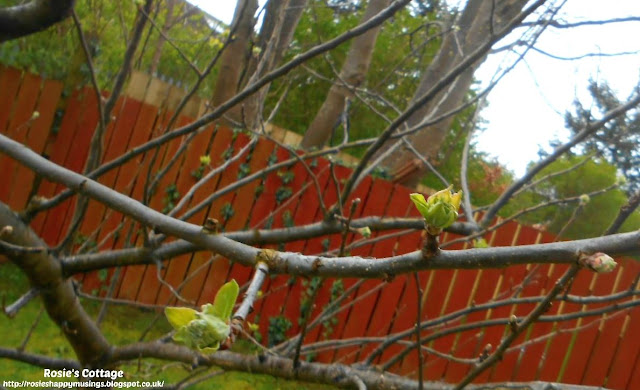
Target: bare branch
582 135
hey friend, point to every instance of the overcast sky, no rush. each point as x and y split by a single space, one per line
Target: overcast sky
526 109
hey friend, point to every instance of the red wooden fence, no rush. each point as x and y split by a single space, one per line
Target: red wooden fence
596 350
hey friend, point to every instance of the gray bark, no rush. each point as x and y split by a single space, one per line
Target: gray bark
478 21
56 291
352 75
275 37
234 56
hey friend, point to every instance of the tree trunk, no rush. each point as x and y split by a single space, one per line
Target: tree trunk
168 21
234 56
55 289
352 74
277 31
472 29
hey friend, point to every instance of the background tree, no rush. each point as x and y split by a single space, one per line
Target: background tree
617 141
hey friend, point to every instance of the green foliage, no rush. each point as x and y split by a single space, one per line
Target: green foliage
258 191
198 172
273 158
278 327
227 211
102 275
618 140
595 215
205 330
287 219
171 195
283 193
122 325
440 210
325 244
269 222
228 153
395 70
81 240
307 298
286 176
56 52
328 326
243 170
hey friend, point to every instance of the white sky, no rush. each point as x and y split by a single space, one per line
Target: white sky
526 109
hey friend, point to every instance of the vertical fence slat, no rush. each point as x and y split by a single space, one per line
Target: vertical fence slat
132 277
627 347
559 344
374 202
73 144
387 299
334 187
150 284
603 351
18 128
280 286
56 150
36 138
247 199
306 211
99 220
9 82
404 313
215 274
531 356
324 295
469 343
503 370
458 296
508 236
264 308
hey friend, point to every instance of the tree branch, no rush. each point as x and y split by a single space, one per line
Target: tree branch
34 16
297 264
57 292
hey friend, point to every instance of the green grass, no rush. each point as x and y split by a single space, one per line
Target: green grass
121 326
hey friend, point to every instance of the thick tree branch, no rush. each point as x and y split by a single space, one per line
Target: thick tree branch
57 292
34 16
624 213
38 360
336 374
297 264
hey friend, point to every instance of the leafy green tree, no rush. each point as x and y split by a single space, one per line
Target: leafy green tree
402 49
618 140
578 218
106 28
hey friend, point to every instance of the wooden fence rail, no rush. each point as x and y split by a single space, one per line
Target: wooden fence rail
598 350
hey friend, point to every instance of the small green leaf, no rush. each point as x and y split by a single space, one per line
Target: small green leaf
218 327
480 243
223 303
180 316
421 204
103 274
365 231
210 350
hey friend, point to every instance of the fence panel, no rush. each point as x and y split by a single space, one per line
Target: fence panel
597 350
